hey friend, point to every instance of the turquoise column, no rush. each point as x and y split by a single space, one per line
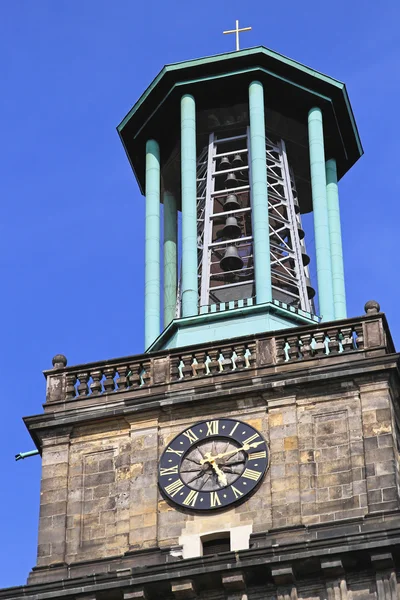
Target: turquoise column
170 256
320 208
335 237
189 206
259 194
152 245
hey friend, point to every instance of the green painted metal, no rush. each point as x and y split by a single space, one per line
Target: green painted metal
320 209
180 66
23 455
152 244
189 206
222 325
335 237
222 76
259 194
170 256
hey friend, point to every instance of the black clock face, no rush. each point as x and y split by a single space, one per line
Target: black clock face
213 464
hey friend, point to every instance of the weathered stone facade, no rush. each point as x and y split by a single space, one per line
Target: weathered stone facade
324 523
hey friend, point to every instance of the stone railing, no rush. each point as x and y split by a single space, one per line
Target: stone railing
143 374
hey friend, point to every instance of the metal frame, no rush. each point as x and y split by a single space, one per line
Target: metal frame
290 276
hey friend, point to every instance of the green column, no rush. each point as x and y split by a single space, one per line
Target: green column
259 194
170 257
320 208
335 237
152 245
189 202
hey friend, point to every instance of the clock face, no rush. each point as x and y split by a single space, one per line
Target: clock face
213 464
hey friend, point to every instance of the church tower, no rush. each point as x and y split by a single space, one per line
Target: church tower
252 450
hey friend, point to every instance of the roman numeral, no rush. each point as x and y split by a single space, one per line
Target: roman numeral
237 492
251 439
173 488
169 470
214 499
231 433
212 427
257 455
249 474
172 451
192 437
191 498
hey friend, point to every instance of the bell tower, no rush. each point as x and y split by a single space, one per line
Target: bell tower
252 451
242 145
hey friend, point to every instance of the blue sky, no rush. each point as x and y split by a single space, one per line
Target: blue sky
71 239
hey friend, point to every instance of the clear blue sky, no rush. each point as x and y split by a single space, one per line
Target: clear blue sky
71 242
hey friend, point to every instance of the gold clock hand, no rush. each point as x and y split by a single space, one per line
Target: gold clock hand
221 475
209 458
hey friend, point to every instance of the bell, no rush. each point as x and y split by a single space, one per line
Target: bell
305 258
237 161
301 232
231 229
310 289
231 203
231 180
231 261
224 163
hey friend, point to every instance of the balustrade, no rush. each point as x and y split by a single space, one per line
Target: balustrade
173 366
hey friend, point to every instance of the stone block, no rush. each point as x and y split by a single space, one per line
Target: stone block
183 589
290 443
234 582
138 594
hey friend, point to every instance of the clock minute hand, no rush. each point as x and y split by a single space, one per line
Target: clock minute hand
221 475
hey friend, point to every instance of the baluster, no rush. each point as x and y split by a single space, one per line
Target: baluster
96 387
122 381
83 388
194 366
306 350
207 362
333 343
70 391
347 339
220 361
280 344
319 338
214 365
133 376
109 384
326 344
239 358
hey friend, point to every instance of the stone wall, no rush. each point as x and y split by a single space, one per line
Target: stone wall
333 457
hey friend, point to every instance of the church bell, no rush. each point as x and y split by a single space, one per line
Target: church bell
231 260
231 203
237 161
224 163
231 230
231 180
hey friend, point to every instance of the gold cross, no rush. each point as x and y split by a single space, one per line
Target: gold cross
237 30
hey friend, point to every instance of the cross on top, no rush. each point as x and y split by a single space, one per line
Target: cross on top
237 31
